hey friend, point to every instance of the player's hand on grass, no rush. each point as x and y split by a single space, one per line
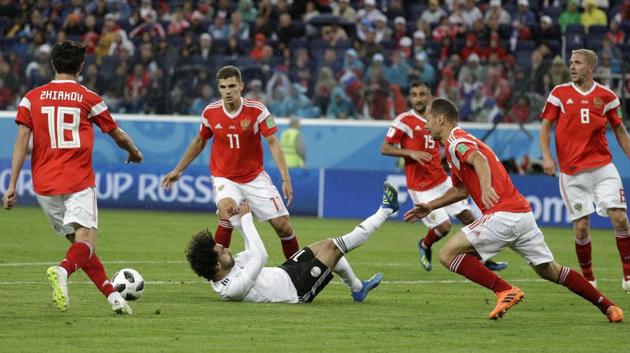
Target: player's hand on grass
287 189
549 166
170 179
420 156
419 211
9 199
135 157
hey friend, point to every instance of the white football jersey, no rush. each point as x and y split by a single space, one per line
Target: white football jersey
253 284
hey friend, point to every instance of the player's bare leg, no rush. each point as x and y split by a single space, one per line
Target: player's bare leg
458 255
286 233
554 272
583 248
619 220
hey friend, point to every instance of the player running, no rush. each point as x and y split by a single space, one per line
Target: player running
507 219
426 178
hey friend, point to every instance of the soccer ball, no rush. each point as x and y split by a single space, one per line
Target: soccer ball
129 283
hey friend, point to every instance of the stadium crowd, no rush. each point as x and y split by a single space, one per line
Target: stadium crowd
346 59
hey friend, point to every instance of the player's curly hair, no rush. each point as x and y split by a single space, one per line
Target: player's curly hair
201 255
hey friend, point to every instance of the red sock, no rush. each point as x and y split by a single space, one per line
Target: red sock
471 268
580 286
432 236
95 270
583 251
289 245
223 234
77 256
623 245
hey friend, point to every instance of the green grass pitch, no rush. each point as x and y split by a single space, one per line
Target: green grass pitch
412 310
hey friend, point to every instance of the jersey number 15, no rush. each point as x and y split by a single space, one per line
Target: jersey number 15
57 126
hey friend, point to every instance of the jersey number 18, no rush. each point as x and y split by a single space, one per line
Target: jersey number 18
57 126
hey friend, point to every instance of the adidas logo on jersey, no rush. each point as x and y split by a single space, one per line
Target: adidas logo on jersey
570 101
218 126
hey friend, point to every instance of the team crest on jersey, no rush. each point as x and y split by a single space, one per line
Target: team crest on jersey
245 124
598 102
578 207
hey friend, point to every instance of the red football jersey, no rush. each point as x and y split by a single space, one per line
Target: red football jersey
580 119
61 114
409 130
237 152
459 145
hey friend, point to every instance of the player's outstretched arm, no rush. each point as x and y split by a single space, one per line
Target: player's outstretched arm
621 133
421 210
194 149
124 141
281 163
549 166
19 154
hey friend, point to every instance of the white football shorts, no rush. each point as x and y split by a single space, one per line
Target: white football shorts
440 215
601 187
518 231
66 211
262 196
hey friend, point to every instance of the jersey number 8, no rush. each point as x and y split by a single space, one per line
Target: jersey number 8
57 126
585 117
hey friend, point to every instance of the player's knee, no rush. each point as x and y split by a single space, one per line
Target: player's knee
549 271
466 217
446 256
619 218
444 228
581 228
283 228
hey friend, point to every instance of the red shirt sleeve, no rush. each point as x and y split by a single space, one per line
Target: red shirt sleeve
204 129
613 113
23 116
394 135
551 111
464 149
105 122
268 125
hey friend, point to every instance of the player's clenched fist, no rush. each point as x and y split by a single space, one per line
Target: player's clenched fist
9 199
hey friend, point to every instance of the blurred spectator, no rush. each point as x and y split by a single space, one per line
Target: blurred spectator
519 112
237 28
558 72
370 46
523 20
445 29
395 9
419 44
90 36
323 87
399 100
398 72
405 46
623 17
39 71
344 10
433 14
106 38
383 32
482 109
570 16
615 34
278 83
471 14
592 15
156 100
497 14
178 23
178 102
255 91
472 67
423 70
92 79
497 87
613 54
447 87
296 103
470 47
369 11
150 25
261 25
205 97
247 10
375 96
233 50
340 105
119 43
286 30
257 52
546 31
293 145
218 29
136 88
494 47
400 28
206 51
